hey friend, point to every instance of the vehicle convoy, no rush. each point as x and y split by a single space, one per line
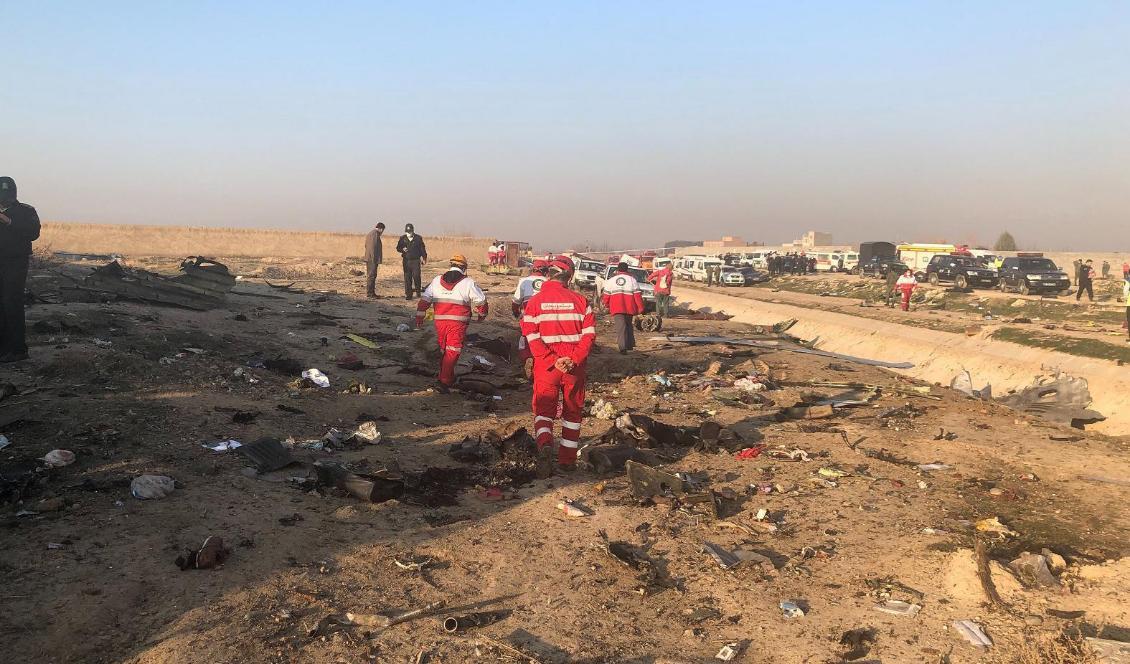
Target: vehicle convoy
1032 273
640 274
961 269
586 274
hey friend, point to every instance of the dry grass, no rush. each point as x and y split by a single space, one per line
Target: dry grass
240 242
1065 648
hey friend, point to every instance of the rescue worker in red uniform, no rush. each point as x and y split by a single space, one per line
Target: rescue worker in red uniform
560 330
527 288
906 285
623 299
662 280
454 296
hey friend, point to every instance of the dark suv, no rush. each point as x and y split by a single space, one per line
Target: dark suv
877 266
1032 274
963 271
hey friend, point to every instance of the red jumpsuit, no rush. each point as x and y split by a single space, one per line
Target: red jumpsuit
906 285
454 296
559 323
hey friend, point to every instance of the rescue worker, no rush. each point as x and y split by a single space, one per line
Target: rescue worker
1106 270
454 296
906 285
19 227
623 299
413 252
1086 282
526 289
560 329
662 279
492 254
500 258
374 255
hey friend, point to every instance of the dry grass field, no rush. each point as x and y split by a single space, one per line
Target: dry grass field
194 240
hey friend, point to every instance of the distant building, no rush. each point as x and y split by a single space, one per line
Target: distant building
814 239
726 241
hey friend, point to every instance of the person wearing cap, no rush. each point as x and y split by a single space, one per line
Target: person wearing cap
492 253
19 227
455 296
1126 298
527 288
623 298
374 254
560 329
413 252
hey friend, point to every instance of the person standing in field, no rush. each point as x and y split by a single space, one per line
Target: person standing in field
1106 270
374 255
560 329
19 227
1078 265
906 285
623 299
413 253
1086 282
662 279
454 297
892 279
1125 269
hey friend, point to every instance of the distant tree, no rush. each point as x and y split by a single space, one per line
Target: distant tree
1005 242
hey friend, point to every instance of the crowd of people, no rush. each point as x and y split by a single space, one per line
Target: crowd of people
791 262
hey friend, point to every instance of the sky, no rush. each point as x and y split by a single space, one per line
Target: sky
623 123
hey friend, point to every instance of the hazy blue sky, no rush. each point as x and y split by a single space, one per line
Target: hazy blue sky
599 121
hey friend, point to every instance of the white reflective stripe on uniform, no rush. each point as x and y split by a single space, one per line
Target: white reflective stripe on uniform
588 311
453 349
539 432
465 319
542 418
532 335
569 443
588 330
575 426
541 318
450 299
558 338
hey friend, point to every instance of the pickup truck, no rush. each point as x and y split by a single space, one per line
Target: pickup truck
647 290
587 273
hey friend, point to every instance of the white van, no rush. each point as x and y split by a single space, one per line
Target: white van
757 259
693 268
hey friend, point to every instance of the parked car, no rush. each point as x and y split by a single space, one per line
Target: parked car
877 266
963 271
586 274
732 276
1032 273
753 276
640 274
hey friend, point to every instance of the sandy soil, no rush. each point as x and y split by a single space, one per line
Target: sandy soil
95 581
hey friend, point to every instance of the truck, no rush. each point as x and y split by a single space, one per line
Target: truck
918 256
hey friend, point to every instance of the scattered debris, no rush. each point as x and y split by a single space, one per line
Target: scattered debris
454 624
1032 570
994 525
267 454
603 410
574 509
210 554
791 609
1061 398
4 442
152 487
203 284
316 377
972 633
371 488
898 608
58 458
222 446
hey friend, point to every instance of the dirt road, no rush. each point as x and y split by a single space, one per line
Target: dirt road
88 571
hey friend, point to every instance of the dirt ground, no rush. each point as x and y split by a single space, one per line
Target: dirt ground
88 573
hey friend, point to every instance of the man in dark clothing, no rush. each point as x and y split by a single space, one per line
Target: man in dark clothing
374 255
411 249
19 227
1086 282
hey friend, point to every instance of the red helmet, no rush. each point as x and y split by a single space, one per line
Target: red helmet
540 265
562 264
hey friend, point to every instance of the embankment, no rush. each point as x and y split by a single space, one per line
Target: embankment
937 356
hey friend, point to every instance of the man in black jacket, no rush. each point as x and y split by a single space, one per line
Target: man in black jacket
374 256
411 249
19 227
